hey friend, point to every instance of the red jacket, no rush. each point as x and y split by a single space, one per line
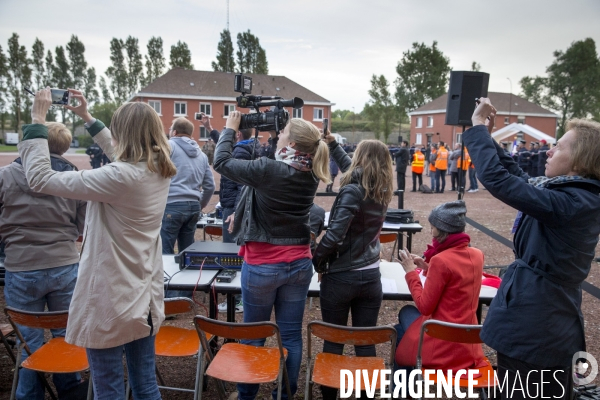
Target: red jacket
451 294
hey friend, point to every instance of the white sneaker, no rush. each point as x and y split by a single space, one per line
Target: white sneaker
239 307
472 190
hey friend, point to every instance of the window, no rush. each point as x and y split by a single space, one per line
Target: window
318 114
180 108
521 119
297 113
227 109
204 133
459 138
419 122
429 122
156 105
419 139
206 109
506 121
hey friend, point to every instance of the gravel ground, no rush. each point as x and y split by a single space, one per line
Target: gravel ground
482 208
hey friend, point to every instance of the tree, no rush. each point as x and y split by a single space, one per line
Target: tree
49 75
225 62
77 63
106 97
423 75
117 72
19 76
251 57
155 60
572 85
135 68
37 61
381 108
89 86
61 74
3 88
181 56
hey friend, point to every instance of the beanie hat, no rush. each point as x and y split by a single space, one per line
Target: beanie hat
449 217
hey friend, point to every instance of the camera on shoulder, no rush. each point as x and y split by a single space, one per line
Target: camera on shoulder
274 120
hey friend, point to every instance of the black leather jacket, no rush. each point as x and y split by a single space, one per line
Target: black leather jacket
352 238
275 203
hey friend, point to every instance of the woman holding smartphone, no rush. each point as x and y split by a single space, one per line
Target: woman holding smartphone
117 304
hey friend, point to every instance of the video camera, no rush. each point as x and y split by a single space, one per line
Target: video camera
274 120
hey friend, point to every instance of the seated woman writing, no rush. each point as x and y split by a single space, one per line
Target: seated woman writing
450 293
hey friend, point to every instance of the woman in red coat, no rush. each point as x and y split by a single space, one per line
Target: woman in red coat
450 293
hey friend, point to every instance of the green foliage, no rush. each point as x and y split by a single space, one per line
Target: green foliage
155 60
181 56
135 68
3 83
338 125
117 72
423 75
37 62
77 63
572 85
106 97
225 61
381 110
18 76
251 57
85 140
104 111
89 86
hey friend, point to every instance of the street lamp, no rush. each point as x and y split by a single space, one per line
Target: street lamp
510 104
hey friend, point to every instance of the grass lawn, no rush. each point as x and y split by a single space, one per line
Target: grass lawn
8 149
82 151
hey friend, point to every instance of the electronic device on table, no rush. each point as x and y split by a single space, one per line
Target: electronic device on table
226 275
214 255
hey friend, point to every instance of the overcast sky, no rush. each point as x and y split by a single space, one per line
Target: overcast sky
332 47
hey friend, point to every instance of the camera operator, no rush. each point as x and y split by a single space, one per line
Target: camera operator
535 321
272 226
41 264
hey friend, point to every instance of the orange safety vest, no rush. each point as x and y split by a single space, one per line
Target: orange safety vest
432 165
418 162
441 162
465 164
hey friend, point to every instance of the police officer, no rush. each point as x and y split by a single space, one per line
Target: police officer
95 153
533 160
523 156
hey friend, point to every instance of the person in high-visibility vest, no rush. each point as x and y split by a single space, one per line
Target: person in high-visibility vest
432 157
441 167
463 167
418 165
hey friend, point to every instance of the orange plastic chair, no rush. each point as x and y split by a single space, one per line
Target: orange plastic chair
458 333
389 237
327 366
212 231
54 357
6 330
241 363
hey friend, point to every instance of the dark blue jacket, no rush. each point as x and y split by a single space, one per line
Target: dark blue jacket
229 190
536 315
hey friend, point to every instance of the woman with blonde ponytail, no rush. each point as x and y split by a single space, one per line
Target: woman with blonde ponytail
272 226
117 304
348 254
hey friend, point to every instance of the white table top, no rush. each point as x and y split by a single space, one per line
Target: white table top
187 277
387 226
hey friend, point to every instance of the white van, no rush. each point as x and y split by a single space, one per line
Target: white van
339 138
11 138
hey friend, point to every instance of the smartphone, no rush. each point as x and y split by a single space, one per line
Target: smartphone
199 116
226 275
60 97
325 125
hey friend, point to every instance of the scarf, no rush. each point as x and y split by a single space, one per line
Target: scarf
453 240
295 159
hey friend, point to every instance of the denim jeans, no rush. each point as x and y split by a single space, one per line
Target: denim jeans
358 292
473 179
179 224
106 366
406 316
283 286
440 177
33 291
227 237
432 175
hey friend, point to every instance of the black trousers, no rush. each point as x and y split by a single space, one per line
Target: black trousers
416 176
454 180
557 382
401 179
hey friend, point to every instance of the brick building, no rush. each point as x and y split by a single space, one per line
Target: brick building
427 122
182 93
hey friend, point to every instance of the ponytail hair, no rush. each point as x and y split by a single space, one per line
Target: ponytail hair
308 140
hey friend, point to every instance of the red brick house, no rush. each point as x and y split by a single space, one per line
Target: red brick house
182 93
427 122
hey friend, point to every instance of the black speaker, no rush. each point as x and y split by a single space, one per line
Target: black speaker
465 87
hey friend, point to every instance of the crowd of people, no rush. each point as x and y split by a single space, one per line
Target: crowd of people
151 195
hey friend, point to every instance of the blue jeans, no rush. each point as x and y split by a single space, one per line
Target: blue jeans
227 237
283 286
356 292
473 179
179 224
106 366
33 291
440 176
406 316
433 181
